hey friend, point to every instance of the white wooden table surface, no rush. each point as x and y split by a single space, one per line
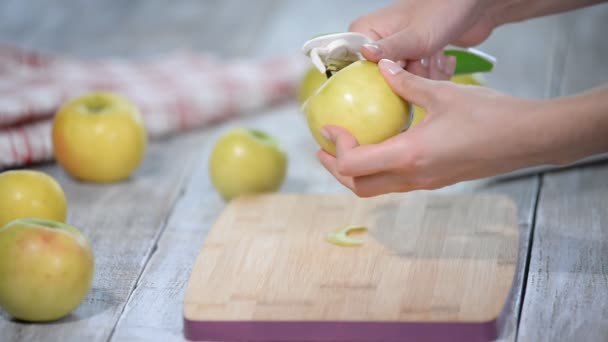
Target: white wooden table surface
146 232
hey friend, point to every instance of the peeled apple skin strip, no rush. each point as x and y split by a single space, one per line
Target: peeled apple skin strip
341 238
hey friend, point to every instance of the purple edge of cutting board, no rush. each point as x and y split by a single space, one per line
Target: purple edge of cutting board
339 331
354 331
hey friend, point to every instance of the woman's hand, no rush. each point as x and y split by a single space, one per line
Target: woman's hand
414 32
417 31
469 132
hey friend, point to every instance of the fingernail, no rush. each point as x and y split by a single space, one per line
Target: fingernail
402 63
374 49
325 134
425 62
439 61
390 66
449 65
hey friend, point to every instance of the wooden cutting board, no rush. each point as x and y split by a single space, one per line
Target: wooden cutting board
432 267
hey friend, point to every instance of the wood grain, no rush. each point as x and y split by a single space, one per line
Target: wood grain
140 28
135 28
154 312
566 293
427 258
122 221
155 309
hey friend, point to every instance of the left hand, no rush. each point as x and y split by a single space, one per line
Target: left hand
469 132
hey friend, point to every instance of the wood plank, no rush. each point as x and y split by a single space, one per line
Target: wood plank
565 298
426 258
567 290
122 221
584 60
135 28
154 312
272 250
523 68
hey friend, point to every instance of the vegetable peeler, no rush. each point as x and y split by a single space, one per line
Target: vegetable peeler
331 52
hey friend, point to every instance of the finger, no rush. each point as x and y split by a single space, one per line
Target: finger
343 140
329 162
419 67
354 160
404 44
407 85
365 186
365 25
379 184
442 67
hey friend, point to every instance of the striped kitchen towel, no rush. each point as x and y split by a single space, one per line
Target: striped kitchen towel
177 92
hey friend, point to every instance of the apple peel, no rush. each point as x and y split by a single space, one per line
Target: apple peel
340 237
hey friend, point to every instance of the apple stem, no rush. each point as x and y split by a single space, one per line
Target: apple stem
96 105
95 108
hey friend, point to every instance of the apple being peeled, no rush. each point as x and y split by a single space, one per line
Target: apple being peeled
99 137
358 99
46 269
470 79
311 81
247 161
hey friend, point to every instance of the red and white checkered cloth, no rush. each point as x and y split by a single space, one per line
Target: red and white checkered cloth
180 91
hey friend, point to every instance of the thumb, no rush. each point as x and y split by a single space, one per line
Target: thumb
408 86
402 45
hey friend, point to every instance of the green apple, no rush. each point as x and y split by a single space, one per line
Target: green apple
30 193
46 269
310 82
247 161
358 99
99 137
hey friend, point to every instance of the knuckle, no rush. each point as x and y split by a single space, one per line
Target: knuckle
363 193
420 43
342 166
358 25
412 159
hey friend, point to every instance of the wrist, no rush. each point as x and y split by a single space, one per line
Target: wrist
573 127
509 11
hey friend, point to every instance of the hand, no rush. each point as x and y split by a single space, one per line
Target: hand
416 32
469 132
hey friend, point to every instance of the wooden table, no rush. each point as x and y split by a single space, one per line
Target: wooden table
146 232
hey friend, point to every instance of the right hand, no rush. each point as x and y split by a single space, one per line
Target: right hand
415 32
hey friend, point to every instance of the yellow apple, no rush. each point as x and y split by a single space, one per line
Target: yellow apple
99 137
471 79
29 193
46 269
246 161
358 99
312 80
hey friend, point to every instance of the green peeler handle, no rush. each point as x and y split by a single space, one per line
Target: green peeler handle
469 61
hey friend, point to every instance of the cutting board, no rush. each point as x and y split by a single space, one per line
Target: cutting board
431 267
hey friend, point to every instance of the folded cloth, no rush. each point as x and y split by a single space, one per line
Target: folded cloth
180 91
